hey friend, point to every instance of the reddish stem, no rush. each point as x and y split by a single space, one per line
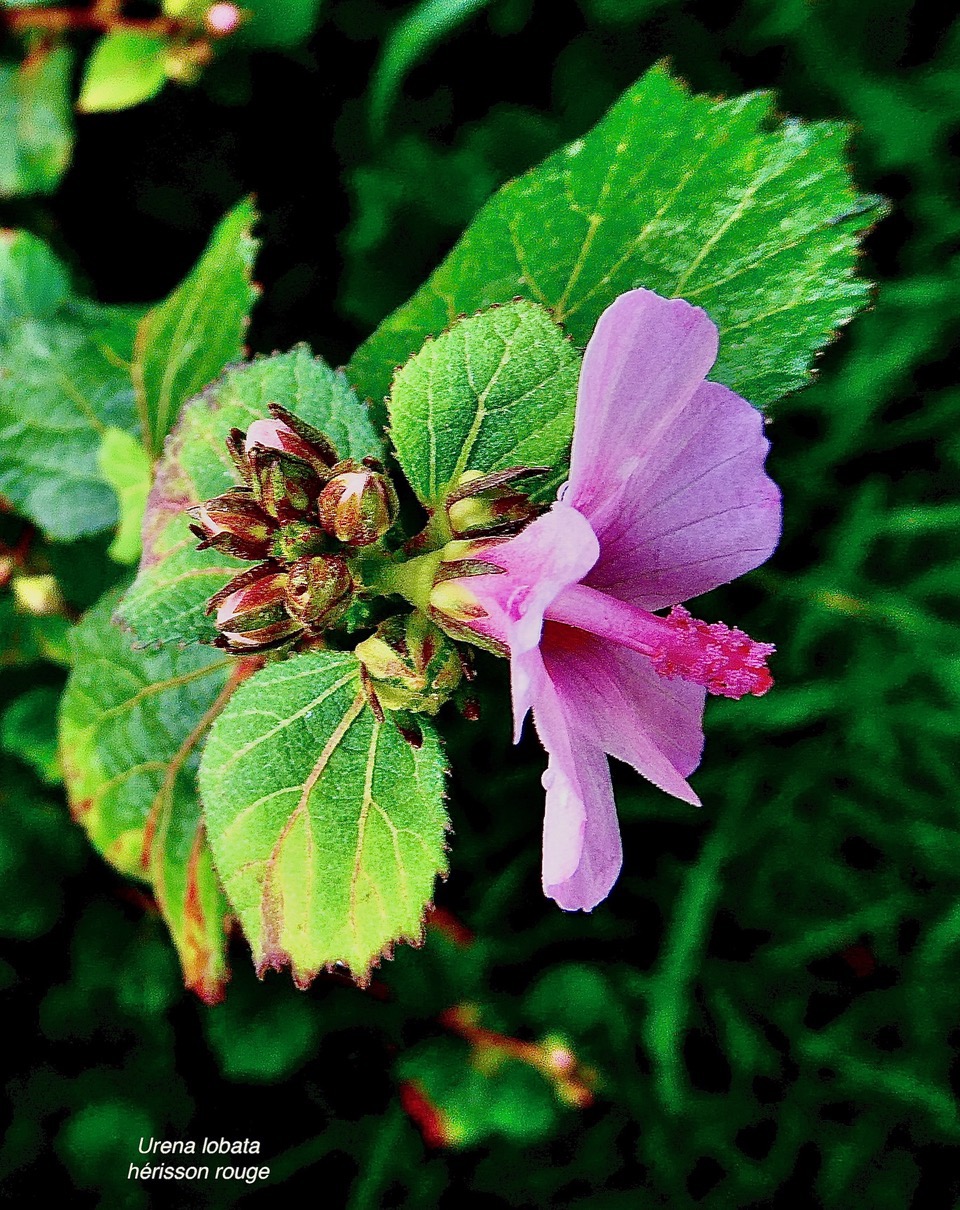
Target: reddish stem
103 17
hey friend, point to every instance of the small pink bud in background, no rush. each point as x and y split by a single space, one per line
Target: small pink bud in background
222 19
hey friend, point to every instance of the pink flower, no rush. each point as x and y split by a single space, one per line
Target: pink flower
667 498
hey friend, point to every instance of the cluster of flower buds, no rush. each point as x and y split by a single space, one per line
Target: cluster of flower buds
489 505
300 513
409 664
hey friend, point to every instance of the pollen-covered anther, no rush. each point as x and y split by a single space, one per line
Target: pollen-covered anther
723 659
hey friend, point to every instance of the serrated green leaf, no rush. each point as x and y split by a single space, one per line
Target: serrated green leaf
125 465
707 200
63 383
185 342
410 41
33 282
131 726
36 122
125 68
326 825
166 602
497 390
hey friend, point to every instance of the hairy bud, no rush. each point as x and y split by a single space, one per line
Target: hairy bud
358 505
251 613
285 484
486 505
291 435
411 664
235 524
318 590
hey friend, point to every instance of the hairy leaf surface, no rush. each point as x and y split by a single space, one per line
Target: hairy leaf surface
185 342
63 382
166 601
327 826
131 727
702 199
497 390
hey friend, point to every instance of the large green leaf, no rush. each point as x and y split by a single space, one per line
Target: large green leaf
327 826
184 342
166 601
707 200
36 122
131 727
497 390
63 382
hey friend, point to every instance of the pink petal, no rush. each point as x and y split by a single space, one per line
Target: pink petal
623 707
697 511
581 837
644 361
265 433
556 550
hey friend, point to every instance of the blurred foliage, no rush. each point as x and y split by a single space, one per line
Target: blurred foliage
765 1009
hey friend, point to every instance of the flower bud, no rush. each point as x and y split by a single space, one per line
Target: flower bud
285 485
235 524
319 590
291 435
412 665
222 19
251 611
295 539
358 505
484 505
452 605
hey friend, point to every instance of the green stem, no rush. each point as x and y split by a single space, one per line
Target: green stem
412 579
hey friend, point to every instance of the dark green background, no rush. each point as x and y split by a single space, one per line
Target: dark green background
769 997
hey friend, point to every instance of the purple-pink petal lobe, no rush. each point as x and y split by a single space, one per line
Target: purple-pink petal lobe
582 854
644 361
